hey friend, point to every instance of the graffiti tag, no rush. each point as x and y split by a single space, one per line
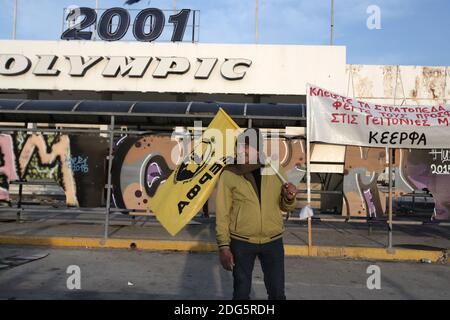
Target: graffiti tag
78 164
441 155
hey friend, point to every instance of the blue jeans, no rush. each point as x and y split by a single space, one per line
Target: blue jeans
271 256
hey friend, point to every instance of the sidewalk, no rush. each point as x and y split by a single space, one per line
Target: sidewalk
330 239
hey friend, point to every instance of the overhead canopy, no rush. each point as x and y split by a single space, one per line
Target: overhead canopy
149 113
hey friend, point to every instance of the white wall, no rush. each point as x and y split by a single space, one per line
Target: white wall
408 85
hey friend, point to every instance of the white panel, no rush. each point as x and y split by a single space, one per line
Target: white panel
328 153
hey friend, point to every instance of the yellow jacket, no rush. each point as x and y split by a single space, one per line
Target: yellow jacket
239 214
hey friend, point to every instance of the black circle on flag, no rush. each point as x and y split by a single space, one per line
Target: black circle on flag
195 162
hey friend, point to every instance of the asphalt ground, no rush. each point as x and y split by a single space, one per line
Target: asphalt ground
134 274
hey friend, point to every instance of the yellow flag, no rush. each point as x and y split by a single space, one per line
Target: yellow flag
184 193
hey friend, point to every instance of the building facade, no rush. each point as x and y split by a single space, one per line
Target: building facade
349 181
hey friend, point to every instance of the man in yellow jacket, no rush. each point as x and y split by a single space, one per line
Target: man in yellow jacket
249 222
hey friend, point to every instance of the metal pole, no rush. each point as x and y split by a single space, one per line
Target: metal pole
390 200
308 165
257 22
193 26
19 202
174 5
108 186
332 24
390 249
14 20
97 6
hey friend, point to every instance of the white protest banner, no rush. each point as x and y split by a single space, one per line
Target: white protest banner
336 119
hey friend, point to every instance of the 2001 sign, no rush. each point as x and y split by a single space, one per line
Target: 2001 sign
105 26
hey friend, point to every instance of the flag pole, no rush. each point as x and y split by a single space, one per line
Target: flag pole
308 165
279 175
390 152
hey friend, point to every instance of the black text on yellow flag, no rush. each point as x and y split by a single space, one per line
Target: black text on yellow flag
184 193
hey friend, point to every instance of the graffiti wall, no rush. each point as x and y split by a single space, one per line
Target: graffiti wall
76 163
428 172
142 163
363 194
419 180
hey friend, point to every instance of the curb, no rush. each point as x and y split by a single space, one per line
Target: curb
358 253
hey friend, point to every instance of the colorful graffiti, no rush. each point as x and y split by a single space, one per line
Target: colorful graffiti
141 163
418 175
363 168
429 170
78 164
61 158
47 156
8 169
